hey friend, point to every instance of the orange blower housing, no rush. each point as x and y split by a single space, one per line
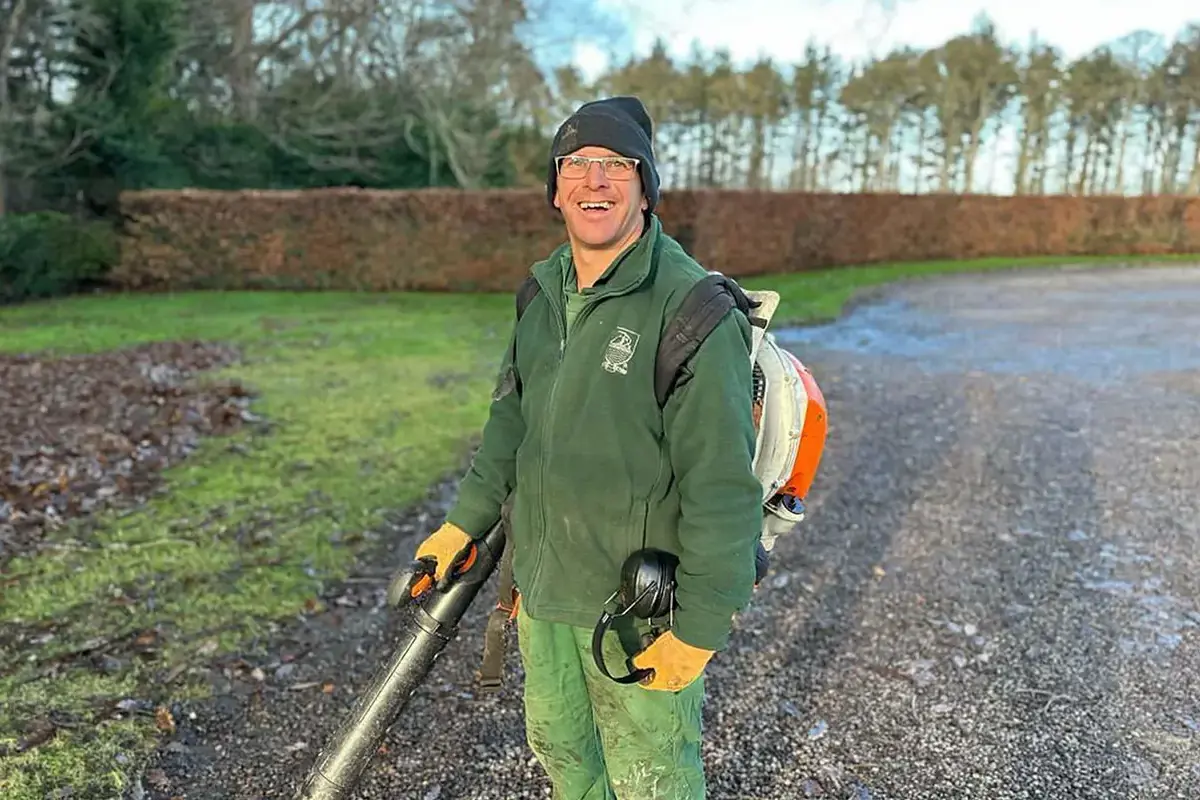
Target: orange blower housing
791 418
811 445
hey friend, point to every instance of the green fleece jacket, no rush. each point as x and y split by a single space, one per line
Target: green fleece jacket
596 470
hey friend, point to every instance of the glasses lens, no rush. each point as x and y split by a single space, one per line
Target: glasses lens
618 168
573 166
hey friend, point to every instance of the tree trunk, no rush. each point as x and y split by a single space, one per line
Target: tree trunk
15 21
922 145
947 163
1069 162
244 67
3 182
869 176
815 180
710 154
1194 179
1081 185
972 154
1023 158
897 159
758 146
1174 155
883 156
1148 161
800 142
1040 147
1120 179
769 162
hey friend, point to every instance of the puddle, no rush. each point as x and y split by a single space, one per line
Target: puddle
1093 326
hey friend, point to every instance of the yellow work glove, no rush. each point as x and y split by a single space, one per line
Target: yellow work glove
445 546
675 663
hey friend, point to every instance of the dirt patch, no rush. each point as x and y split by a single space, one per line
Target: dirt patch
83 433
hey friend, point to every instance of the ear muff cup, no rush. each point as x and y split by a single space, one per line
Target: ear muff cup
648 583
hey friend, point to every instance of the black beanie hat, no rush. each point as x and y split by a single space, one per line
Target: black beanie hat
621 124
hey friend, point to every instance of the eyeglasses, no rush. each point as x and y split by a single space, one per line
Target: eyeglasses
618 168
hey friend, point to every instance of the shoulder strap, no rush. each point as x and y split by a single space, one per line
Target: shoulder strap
705 304
525 294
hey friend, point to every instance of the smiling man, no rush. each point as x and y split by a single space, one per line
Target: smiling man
595 469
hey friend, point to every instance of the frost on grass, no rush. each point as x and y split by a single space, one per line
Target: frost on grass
82 433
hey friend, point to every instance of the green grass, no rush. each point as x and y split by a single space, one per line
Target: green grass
370 398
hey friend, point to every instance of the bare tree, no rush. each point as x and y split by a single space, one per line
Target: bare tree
13 22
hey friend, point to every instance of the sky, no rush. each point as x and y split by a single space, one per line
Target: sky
859 29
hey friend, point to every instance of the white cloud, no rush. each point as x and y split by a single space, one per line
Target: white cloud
591 60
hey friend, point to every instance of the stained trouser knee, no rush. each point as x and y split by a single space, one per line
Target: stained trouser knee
559 725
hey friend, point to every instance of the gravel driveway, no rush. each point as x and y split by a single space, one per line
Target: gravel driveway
996 596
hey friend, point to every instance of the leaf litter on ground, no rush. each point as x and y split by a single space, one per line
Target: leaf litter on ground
82 433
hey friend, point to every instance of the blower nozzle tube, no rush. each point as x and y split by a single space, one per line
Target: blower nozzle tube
427 631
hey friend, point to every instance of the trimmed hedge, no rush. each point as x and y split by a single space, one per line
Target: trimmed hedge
47 254
451 240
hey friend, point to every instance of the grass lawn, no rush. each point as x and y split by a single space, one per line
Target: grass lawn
371 398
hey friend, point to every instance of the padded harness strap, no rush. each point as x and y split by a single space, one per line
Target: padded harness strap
702 309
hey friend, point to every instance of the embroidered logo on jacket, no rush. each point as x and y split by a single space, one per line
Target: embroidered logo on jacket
619 350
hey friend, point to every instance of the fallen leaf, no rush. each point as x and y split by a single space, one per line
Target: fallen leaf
163 719
313 605
327 687
41 731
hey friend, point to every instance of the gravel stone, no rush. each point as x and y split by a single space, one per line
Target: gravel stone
995 595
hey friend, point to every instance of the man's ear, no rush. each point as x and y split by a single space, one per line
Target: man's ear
557 204
645 203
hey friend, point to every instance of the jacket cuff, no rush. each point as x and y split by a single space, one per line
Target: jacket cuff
704 630
474 521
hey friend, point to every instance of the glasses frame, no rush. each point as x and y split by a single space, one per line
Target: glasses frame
602 161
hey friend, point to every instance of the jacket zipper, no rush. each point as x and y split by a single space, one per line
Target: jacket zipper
551 409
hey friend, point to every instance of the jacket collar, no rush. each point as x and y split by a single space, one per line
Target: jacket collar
628 271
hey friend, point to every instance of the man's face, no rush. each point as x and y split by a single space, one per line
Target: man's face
601 208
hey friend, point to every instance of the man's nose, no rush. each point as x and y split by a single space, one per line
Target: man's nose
595 175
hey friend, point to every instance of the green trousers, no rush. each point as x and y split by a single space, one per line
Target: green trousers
598 739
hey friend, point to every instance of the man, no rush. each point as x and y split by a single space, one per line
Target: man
596 470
